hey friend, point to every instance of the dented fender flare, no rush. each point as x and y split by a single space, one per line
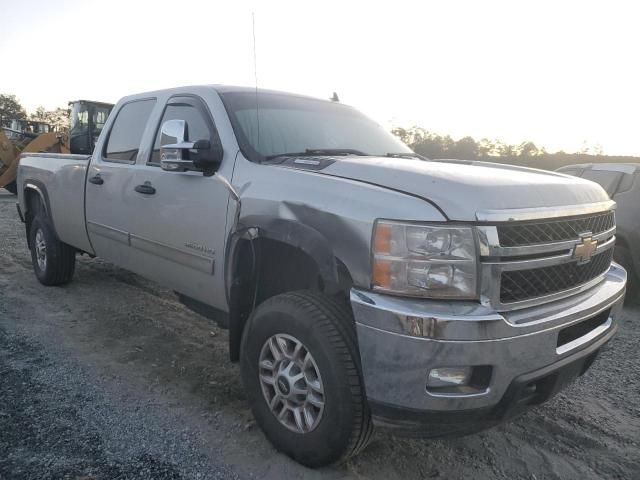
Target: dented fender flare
290 232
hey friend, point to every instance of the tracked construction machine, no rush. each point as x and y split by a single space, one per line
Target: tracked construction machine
23 136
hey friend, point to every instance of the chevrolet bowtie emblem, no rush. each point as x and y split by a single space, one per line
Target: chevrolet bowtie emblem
585 250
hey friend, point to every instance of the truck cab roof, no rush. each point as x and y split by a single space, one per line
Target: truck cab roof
221 89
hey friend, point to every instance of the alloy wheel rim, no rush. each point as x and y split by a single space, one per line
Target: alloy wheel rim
291 383
41 250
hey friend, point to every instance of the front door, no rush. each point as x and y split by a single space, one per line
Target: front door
179 231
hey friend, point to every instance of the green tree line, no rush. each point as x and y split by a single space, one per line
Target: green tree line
12 109
433 145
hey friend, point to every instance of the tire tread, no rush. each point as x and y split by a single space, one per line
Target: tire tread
61 258
336 321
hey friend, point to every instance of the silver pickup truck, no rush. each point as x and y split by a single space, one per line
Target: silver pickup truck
361 284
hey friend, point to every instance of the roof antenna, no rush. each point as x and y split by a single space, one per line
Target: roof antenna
255 75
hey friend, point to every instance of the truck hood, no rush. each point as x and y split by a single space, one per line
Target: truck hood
463 188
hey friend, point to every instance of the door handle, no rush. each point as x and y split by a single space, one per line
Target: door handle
96 180
145 188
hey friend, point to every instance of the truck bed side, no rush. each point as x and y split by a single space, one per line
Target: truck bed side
60 180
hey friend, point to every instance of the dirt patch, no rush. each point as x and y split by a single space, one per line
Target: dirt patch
110 377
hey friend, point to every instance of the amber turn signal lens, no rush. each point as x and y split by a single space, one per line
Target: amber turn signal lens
382 240
382 273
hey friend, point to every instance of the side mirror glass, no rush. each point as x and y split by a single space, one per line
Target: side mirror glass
177 154
173 136
173 131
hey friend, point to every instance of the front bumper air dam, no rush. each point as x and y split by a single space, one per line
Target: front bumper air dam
528 363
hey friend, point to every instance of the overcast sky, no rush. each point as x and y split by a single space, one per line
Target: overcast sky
558 73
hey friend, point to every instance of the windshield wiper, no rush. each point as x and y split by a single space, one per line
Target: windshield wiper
406 155
318 152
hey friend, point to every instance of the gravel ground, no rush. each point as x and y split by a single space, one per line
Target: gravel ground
111 378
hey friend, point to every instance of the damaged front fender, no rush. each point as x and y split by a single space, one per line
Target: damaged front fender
300 236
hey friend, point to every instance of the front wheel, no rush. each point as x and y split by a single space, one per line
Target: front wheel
301 368
53 261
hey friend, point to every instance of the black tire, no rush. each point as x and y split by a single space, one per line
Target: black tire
326 329
622 255
12 187
60 258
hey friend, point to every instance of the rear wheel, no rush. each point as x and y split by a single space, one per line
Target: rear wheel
301 368
53 261
622 255
12 187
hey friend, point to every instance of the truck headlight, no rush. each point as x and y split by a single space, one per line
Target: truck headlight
424 260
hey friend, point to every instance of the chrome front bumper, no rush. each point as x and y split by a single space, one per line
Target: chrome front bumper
397 357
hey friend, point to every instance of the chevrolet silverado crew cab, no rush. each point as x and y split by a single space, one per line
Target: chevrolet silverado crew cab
361 284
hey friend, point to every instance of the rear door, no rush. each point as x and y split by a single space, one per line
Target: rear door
110 176
179 231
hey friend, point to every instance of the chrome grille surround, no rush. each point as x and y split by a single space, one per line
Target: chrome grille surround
557 230
496 258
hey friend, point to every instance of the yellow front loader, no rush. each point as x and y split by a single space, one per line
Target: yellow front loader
14 142
24 136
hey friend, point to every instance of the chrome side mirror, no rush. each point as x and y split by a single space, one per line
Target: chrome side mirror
173 143
177 154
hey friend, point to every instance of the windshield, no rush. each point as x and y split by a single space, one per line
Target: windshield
288 123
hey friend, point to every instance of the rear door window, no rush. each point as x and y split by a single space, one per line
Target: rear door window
126 133
627 182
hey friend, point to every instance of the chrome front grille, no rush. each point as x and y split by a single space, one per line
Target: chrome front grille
519 285
531 233
531 259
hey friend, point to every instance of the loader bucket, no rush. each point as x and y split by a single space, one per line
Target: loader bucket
10 155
